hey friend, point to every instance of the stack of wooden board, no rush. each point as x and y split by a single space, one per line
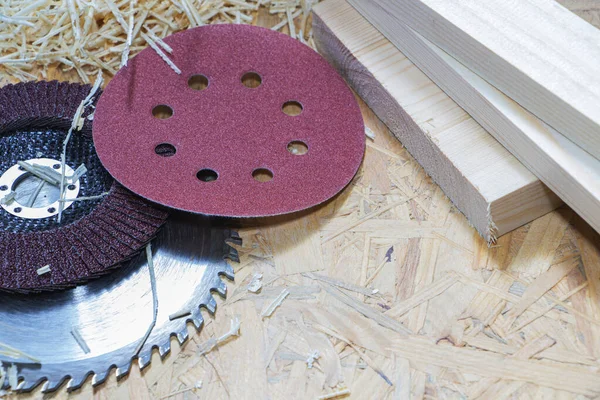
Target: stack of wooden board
527 71
489 185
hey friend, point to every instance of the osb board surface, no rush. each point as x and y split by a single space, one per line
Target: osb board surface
451 318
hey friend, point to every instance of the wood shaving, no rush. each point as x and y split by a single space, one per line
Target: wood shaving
335 395
43 270
39 172
12 376
267 312
80 340
84 198
9 198
210 344
160 53
256 283
198 385
76 125
348 286
87 37
179 314
154 300
314 356
11 352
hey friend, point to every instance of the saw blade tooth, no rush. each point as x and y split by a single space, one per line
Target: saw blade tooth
144 358
222 289
197 319
234 237
197 323
123 370
52 384
76 382
165 348
228 272
182 335
26 386
211 305
99 377
231 254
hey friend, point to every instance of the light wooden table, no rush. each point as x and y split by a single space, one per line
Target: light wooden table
394 230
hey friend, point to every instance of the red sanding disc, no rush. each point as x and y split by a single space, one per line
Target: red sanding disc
226 144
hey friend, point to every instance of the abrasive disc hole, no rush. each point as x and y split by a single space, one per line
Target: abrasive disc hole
297 148
162 111
207 175
198 82
251 80
262 174
292 108
165 150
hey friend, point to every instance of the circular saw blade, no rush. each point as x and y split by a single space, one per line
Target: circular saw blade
112 313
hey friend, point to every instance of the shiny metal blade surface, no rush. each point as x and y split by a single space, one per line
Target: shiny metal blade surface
113 313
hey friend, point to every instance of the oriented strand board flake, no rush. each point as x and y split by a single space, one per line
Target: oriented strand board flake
296 245
543 238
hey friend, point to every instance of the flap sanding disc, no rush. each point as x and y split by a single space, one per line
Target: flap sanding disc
94 235
256 124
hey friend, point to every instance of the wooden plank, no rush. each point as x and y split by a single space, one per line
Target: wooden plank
535 51
572 173
484 181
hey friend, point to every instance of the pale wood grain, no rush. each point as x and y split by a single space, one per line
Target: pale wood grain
572 173
485 181
535 51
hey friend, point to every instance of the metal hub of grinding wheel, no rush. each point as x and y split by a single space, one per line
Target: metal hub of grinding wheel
33 198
